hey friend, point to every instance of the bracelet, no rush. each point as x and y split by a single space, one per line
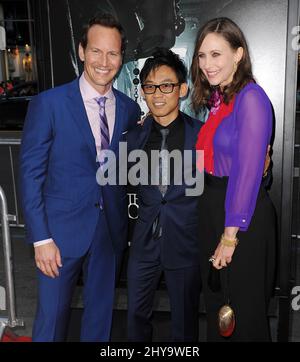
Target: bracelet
227 242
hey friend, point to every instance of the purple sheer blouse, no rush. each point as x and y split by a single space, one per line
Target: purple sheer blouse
240 147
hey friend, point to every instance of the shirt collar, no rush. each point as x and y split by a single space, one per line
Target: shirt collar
89 93
171 126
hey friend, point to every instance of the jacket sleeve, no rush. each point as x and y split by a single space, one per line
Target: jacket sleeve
34 155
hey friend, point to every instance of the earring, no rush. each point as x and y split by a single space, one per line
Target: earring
235 66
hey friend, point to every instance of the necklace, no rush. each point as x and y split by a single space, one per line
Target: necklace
215 100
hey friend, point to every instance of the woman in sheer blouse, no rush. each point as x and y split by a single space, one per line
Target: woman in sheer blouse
237 218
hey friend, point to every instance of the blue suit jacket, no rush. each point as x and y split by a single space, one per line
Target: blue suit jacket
59 191
179 245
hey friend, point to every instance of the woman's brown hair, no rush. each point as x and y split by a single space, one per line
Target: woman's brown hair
243 75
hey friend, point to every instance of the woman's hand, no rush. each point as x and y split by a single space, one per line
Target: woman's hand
223 256
142 120
267 161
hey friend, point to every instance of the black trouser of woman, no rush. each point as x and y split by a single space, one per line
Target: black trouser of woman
252 270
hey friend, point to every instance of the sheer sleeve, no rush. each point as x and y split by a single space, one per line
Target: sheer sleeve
254 129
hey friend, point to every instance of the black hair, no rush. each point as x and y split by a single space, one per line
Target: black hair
107 20
164 56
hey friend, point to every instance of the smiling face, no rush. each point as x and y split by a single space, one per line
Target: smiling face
102 57
217 60
164 106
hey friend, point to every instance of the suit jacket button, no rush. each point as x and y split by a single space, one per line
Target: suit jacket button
164 202
97 204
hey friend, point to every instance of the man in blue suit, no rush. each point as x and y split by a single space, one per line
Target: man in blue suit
74 222
165 238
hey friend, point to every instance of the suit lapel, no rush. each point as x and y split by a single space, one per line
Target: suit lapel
137 140
190 137
145 133
138 136
78 111
190 134
144 136
119 121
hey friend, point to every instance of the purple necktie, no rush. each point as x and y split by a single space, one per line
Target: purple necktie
104 131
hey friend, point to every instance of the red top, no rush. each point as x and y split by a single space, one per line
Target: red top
207 133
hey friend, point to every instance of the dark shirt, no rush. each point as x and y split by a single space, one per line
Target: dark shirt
175 140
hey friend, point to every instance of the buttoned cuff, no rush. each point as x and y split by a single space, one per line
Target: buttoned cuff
237 220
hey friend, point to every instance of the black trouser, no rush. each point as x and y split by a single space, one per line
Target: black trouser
251 272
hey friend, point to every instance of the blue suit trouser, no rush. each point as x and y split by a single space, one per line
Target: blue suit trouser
55 295
183 287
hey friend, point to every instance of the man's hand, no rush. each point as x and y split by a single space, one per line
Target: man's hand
48 259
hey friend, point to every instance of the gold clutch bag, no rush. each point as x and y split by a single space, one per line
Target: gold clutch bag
226 316
226 320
